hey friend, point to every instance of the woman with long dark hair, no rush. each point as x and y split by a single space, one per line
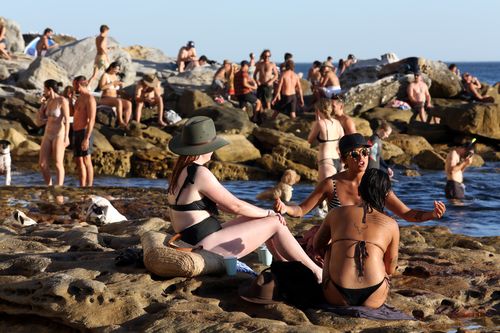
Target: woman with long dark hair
110 83
54 113
361 246
195 195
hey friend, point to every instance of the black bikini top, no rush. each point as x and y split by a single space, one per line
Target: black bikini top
203 204
320 140
360 251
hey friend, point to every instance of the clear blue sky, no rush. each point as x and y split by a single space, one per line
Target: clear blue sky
458 30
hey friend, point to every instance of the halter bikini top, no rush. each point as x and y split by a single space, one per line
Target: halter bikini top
320 140
203 204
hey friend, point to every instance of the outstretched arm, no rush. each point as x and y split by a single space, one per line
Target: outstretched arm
412 215
313 200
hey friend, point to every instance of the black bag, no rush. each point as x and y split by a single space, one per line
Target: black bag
297 284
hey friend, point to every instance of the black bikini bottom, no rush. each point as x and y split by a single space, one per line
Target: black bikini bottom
356 297
195 233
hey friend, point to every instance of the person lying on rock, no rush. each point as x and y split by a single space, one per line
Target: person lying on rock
341 190
360 246
472 86
195 195
110 84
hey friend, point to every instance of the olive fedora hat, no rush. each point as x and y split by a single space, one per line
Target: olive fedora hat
198 137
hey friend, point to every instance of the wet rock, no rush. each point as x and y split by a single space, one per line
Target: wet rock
153 163
232 171
40 70
115 163
238 150
482 119
429 159
411 173
410 144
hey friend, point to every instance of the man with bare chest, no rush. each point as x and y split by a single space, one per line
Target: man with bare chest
101 61
289 88
419 98
83 125
266 73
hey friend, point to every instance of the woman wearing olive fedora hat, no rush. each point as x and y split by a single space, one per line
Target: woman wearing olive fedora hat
195 195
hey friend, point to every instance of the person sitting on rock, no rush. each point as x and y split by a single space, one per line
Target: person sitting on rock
345 120
195 195
360 246
101 61
110 84
244 87
376 161
204 61
220 81
419 98
187 59
472 86
3 42
454 69
148 92
329 83
43 44
289 88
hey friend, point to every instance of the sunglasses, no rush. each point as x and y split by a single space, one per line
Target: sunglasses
355 154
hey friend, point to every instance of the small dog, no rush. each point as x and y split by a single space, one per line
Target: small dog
5 161
283 189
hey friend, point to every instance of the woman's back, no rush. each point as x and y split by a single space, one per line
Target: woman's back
352 238
329 134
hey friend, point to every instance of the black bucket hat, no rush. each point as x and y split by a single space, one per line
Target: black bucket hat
351 141
198 137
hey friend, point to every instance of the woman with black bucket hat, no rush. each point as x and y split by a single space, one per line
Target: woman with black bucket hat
195 195
341 189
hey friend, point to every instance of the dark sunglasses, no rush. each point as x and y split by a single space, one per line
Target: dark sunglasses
357 154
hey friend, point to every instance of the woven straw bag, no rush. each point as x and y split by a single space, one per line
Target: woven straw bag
164 260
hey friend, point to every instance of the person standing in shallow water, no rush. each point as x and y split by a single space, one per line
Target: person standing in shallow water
83 126
54 113
457 160
195 196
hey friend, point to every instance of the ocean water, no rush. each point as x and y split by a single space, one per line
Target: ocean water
488 72
478 215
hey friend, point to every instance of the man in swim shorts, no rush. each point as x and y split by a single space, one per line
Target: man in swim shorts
329 84
186 58
457 160
244 87
419 98
83 125
101 61
43 44
288 88
266 73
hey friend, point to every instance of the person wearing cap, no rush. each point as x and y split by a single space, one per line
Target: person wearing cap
360 246
329 83
341 189
419 98
194 196
266 73
244 87
148 92
457 160
221 78
187 59
287 92
345 120
83 127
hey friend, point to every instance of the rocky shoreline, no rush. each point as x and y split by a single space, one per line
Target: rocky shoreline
60 275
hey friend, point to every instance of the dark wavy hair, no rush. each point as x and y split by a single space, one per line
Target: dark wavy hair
114 64
53 84
373 189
